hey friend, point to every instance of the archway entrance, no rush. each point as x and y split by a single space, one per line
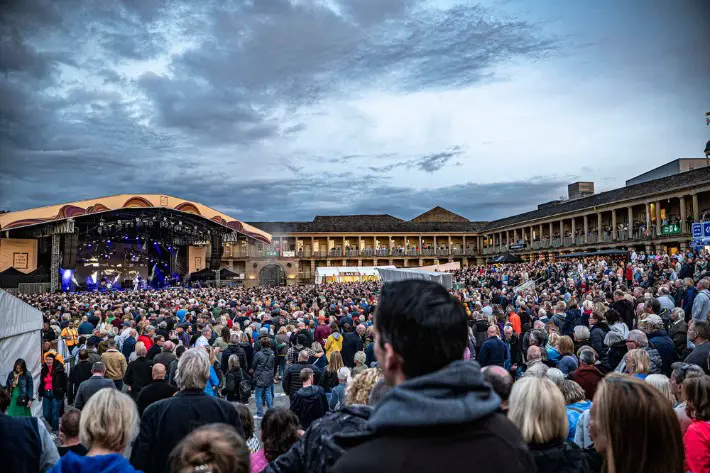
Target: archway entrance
272 275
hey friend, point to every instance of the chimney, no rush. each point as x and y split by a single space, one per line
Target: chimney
578 190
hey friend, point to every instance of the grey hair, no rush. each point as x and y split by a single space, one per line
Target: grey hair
360 357
234 338
613 337
344 374
555 375
206 330
639 337
193 369
538 369
678 312
581 332
704 283
233 362
586 357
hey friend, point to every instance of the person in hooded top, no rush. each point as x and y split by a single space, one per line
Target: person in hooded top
441 412
108 424
537 408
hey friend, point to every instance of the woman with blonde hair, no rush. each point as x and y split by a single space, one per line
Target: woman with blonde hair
551 348
627 422
212 448
109 423
663 384
638 363
537 408
329 379
359 388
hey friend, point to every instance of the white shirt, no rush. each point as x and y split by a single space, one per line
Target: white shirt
201 342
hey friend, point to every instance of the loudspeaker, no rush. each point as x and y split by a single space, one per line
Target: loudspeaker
70 248
43 245
216 253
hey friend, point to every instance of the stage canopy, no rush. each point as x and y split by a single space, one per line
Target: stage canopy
401 274
328 274
130 206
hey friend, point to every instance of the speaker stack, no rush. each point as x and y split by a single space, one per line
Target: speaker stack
70 248
217 252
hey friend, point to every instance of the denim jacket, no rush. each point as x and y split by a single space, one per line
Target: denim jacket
24 383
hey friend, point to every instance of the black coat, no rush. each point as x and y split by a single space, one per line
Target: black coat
560 457
59 381
596 338
317 451
352 343
80 373
309 404
249 351
156 391
139 374
165 423
625 310
234 350
292 377
231 385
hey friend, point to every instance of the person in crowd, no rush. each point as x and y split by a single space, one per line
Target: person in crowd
167 355
234 348
568 361
337 398
421 333
116 364
157 390
493 350
79 373
322 331
360 366
282 342
214 381
70 335
329 378
213 448
678 331
699 334
514 362
598 329
129 344
701 303
580 336
501 381
108 425
172 370
139 372
638 363
264 362
279 431
352 343
680 372
657 336
166 422
576 404
537 408
551 349
309 402
697 437
156 348
204 339
69 433
147 337
587 375
292 379
663 384
624 308
638 340
616 349
247 419
91 386
21 386
616 323
237 382
625 406
222 342
26 445
334 341
52 390
318 358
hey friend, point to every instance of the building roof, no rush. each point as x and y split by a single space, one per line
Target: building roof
376 224
683 180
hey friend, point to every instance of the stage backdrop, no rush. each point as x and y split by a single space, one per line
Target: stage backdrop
19 254
197 257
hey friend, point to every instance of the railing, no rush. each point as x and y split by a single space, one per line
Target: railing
568 241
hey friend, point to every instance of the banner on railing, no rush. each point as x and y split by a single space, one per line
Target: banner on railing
289 254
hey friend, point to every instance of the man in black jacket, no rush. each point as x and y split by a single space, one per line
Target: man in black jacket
292 378
234 349
139 373
352 343
165 423
80 373
441 413
156 391
309 403
624 308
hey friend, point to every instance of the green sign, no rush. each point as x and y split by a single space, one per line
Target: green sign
271 253
672 229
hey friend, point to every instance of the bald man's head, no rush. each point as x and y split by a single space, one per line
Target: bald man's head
534 353
158 371
492 332
501 382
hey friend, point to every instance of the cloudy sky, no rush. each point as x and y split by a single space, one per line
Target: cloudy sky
283 110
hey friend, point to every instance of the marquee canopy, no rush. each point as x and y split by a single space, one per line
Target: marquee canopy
60 212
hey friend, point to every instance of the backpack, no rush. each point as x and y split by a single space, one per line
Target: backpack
244 389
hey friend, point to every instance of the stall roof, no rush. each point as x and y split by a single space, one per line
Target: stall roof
595 253
327 271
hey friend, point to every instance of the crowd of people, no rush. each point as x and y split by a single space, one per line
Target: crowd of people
584 365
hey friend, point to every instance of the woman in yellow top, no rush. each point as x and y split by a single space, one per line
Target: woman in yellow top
334 341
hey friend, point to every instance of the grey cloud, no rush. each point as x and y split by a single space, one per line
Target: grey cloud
429 163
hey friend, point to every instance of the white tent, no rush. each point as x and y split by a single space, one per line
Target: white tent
20 337
341 273
400 274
